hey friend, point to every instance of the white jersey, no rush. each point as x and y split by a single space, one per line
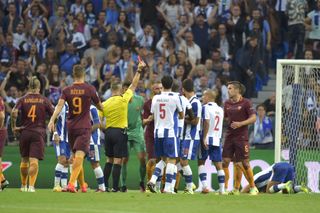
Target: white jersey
193 131
61 125
185 105
94 116
214 113
165 107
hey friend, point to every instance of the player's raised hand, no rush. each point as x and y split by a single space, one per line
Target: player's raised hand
142 65
236 124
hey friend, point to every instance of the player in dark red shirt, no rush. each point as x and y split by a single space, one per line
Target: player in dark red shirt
3 136
33 109
239 113
79 97
149 133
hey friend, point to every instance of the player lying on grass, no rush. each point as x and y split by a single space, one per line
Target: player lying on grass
277 177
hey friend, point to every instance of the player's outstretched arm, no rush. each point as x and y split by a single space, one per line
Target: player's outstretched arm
55 114
142 65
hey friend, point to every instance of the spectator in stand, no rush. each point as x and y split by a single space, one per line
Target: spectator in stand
312 24
19 76
270 105
172 9
123 27
42 41
12 16
55 83
68 59
95 49
189 46
262 130
58 19
89 14
236 27
206 9
77 7
221 86
200 33
20 41
8 53
216 61
33 60
296 10
224 43
51 57
112 13
247 63
143 35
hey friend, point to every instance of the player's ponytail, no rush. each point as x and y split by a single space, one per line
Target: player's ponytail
34 83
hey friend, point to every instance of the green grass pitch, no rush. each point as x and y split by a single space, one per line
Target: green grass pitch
45 201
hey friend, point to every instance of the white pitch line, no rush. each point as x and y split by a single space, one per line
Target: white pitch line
63 209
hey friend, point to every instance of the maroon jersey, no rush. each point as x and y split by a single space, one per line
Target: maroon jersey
79 97
2 109
146 113
238 111
34 109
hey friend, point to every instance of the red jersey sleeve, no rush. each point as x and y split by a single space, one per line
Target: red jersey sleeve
49 107
249 108
146 110
94 97
63 94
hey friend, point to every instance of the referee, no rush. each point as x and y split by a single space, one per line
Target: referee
115 111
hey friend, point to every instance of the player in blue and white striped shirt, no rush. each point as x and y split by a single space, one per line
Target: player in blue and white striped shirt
62 149
278 177
212 117
94 151
190 144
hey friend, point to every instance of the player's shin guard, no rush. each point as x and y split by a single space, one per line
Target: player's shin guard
249 176
24 173
187 173
226 177
81 177
169 176
58 174
158 171
116 176
150 168
107 172
100 178
64 177
237 176
142 171
76 168
123 174
203 176
221 178
33 172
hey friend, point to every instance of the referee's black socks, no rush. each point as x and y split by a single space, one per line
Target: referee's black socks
106 172
116 176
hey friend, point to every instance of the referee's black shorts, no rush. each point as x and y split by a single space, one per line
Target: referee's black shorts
116 142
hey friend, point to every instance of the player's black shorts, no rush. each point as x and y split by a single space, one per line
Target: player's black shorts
116 140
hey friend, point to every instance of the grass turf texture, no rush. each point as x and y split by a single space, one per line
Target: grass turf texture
44 200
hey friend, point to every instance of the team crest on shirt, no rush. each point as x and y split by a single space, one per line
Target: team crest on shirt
239 107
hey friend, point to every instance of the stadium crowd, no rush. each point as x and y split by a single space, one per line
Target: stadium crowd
208 41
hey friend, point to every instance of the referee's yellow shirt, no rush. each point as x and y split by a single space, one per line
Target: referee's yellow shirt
115 110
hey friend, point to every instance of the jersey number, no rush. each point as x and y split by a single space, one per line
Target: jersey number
216 120
162 111
32 113
77 105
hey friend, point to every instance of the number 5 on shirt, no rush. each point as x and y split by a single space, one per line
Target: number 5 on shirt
162 111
